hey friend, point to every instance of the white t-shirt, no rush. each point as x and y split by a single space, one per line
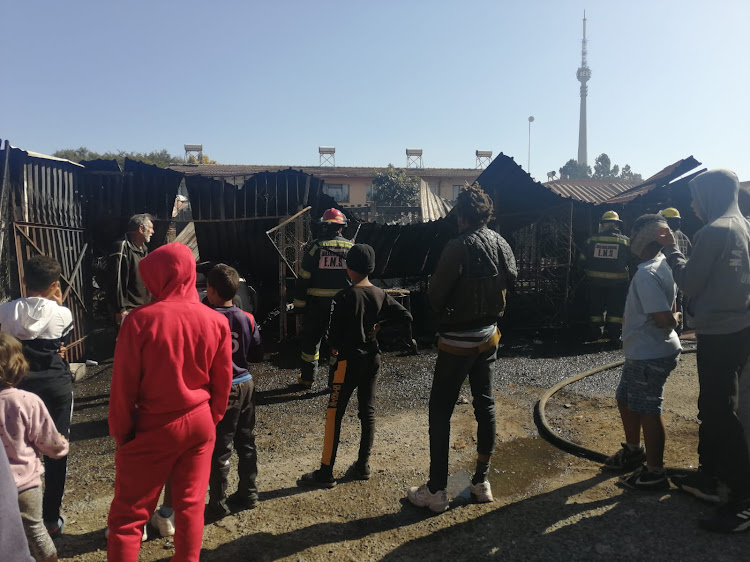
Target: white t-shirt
652 289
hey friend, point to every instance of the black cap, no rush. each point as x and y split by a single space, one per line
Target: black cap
361 258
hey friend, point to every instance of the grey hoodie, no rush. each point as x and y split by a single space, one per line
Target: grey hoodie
716 279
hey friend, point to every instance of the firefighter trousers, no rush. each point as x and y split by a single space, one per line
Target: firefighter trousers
606 307
314 329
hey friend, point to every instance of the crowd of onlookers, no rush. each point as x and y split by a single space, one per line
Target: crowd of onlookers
182 393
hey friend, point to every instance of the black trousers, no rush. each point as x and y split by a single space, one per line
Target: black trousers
722 448
314 328
59 401
358 373
236 428
450 373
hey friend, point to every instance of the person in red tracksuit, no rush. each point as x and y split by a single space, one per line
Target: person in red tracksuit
170 385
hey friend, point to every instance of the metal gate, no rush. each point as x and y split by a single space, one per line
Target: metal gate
46 215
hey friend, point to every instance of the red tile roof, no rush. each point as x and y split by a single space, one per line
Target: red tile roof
225 170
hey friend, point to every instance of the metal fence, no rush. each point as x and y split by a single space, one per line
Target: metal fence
61 209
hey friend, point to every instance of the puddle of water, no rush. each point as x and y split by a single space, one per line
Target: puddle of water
516 467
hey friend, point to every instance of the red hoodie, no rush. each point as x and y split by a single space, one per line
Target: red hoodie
172 354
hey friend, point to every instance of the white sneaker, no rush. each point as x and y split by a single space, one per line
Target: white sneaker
422 497
482 492
164 525
144 538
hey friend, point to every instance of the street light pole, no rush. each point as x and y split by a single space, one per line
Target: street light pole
528 162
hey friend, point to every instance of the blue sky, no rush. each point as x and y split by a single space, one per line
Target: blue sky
268 82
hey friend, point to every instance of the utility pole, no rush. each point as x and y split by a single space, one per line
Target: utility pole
528 161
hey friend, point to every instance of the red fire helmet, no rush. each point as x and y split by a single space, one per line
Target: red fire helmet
333 216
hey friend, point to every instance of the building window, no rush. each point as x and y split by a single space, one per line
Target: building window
339 191
456 190
370 193
433 188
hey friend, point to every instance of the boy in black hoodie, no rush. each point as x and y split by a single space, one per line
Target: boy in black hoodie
357 314
44 326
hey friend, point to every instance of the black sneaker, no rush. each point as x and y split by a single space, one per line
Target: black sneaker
644 479
733 517
355 472
702 485
239 502
625 460
216 510
317 479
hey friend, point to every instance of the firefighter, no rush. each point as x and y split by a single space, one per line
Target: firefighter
321 275
674 220
605 259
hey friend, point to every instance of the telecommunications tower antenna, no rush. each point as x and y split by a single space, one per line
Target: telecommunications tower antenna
583 75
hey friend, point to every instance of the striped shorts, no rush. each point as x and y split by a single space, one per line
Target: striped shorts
642 383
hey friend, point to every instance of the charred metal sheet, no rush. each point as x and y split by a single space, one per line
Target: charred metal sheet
231 215
407 250
519 200
660 179
101 165
112 197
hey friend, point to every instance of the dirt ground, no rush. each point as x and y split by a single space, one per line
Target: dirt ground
549 505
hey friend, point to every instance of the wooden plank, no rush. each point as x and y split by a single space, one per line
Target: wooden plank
28 234
74 277
5 214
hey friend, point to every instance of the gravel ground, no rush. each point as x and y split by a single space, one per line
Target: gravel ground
549 505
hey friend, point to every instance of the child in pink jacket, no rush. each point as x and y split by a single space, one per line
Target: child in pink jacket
26 430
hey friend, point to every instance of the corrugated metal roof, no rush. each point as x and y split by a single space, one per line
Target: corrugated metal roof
433 207
226 170
48 157
187 237
665 176
590 190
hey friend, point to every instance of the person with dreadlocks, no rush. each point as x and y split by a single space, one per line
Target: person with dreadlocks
467 291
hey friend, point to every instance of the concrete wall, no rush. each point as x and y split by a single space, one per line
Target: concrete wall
444 186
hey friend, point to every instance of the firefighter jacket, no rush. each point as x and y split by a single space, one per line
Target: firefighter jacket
468 287
323 269
606 256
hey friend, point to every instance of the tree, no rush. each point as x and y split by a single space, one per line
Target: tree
202 159
603 169
603 166
572 170
161 158
627 174
393 187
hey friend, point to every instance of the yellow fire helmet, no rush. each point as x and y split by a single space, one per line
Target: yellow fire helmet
671 213
610 216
